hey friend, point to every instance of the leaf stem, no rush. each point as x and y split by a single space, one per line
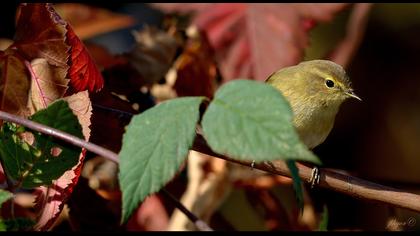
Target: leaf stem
201 225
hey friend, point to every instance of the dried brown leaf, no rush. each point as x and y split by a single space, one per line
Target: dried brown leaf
153 55
81 106
14 84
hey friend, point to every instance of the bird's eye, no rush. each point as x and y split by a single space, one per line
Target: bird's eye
329 83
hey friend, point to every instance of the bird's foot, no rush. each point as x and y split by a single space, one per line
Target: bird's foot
252 164
315 177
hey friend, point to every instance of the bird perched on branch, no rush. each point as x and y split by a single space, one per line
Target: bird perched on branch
315 90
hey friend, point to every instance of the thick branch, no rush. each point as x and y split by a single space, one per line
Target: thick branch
349 185
346 184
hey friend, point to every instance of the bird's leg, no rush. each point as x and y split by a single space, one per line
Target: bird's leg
315 177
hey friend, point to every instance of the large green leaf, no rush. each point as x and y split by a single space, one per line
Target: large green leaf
154 146
47 158
249 120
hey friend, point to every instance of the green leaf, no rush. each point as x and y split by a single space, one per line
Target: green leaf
47 158
4 196
18 224
249 120
297 183
3 226
323 225
154 146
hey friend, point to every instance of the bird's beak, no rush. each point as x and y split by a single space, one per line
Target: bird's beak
353 95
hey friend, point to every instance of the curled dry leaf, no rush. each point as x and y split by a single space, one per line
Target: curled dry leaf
40 33
253 40
50 200
14 84
153 54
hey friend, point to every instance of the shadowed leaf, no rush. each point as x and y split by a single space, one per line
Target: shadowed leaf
154 146
14 84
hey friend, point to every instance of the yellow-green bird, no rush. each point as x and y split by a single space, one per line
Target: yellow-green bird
315 90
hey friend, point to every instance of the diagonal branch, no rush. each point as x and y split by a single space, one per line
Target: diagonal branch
346 184
201 225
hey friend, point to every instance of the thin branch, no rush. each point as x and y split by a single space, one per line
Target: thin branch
60 135
201 225
346 184
112 156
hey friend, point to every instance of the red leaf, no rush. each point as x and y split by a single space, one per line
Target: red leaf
254 40
40 33
83 72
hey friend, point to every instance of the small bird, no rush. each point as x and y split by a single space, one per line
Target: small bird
315 90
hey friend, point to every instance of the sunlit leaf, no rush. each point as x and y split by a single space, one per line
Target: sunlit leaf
49 83
83 71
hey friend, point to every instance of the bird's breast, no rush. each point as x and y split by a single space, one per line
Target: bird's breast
314 124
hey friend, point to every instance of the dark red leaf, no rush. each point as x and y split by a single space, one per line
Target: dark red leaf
83 72
196 69
40 33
